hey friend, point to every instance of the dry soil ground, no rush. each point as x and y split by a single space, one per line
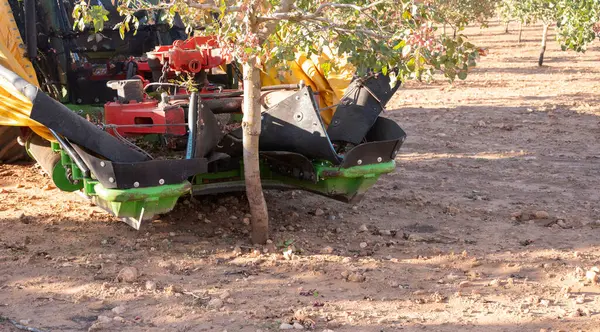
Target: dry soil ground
490 223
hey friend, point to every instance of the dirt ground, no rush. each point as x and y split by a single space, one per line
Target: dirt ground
490 223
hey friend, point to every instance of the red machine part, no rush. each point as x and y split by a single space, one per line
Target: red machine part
129 118
191 55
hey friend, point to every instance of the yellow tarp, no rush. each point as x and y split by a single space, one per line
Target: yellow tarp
15 108
330 87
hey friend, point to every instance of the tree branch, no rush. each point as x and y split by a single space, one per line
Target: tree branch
211 7
267 30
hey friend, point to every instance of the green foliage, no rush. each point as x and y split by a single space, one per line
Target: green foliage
83 13
459 13
575 19
371 35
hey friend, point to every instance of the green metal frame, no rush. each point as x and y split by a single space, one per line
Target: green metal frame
138 204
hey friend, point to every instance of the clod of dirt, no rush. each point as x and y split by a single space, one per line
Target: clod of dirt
356 277
24 218
452 210
464 284
128 274
319 212
119 310
173 289
150 285
48 187
495 283
327 250
481 123
541 215
363 228
577 313
214 303
363 245
438 298
119 319
592 275
580 299
298 326
101 323
225 295
286 326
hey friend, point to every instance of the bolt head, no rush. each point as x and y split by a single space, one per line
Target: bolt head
102 164
161 181
379 159
111 180
136 184
359 162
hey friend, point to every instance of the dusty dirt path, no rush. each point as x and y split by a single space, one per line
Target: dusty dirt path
451 241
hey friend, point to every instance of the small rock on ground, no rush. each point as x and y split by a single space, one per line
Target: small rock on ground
128 274
215 303
286 326
119 310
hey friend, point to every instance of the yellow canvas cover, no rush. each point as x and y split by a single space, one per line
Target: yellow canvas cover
15 108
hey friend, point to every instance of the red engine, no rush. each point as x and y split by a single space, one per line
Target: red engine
135 113
191 55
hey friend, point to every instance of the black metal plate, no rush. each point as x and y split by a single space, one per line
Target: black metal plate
295 125
208 131
358 109
146 173
386 138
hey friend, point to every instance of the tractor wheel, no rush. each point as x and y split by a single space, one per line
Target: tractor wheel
10 149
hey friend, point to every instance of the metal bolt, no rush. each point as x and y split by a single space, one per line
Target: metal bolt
161 181
136 184
111 180
102 164
297 97
379 159
359 162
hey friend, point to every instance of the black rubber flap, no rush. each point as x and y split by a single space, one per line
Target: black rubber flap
359 108
152 173
294 125
78 130
383 143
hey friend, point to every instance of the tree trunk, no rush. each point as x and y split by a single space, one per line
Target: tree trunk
251 129
520 32
543 50
444 29
506 26
455 31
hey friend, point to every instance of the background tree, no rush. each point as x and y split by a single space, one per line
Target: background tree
575 20
459 13
374 36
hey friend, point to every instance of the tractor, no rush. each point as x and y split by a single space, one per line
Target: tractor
135 123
